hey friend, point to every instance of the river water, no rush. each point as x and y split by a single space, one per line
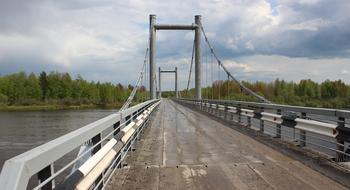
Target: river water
22 131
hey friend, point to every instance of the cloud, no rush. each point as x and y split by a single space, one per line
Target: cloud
105 40
310 25
344 72
270 67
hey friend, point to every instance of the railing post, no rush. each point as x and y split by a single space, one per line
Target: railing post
99 178
134 115
249 121
239 113
127 119
233 115
261 121
340 144
302 137
278 126
115 126
96 140
44 174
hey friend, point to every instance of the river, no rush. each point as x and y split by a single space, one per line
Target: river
22 131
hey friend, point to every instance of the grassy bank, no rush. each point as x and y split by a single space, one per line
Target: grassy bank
52 107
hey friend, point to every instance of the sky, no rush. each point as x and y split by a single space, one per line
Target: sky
105 40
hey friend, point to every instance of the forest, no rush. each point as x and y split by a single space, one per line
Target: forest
328 94
61 90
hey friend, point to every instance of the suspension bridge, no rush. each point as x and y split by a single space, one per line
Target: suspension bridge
193 143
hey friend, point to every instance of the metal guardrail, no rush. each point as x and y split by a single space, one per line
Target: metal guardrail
39 163
320 129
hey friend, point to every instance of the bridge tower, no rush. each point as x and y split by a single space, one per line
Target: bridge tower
197 26
160 80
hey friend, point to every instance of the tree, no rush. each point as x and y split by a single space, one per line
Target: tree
66 86
44 84
16 87
32 88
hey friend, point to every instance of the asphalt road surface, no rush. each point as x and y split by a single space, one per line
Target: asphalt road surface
184 149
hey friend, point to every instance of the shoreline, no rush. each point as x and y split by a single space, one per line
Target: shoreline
55 107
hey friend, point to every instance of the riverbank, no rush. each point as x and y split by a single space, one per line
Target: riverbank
52 107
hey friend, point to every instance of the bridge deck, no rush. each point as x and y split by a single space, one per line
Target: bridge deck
183 149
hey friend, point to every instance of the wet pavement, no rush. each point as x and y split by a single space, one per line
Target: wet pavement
184 149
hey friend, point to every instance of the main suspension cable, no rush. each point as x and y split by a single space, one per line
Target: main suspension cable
219 83
243 87
136 87
212 76
228 87
189 75
206 71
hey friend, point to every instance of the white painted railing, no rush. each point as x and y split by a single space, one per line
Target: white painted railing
40 161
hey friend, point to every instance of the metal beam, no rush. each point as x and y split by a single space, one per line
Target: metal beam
175 27
152 56
168 71
197 38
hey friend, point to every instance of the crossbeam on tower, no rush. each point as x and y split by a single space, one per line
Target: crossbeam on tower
152 31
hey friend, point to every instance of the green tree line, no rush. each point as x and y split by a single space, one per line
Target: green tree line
329 94
56 88
61 89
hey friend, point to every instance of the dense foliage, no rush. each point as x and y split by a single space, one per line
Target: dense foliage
331 94
59 88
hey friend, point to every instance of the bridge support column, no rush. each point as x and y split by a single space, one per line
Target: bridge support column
197 65
152 56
